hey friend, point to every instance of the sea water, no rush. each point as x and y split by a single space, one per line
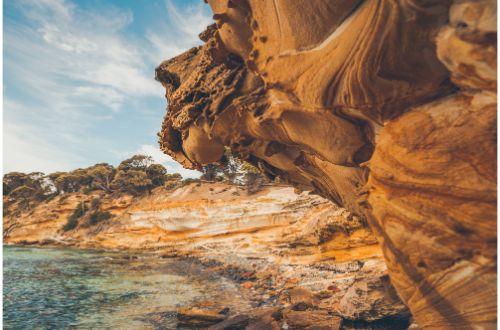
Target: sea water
59 288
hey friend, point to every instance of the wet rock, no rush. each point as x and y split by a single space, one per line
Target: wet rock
257 319
265 319
238 322
269 271
392 323
198 317
309 320
159 319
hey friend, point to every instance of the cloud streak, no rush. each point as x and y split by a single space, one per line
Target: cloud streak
74 72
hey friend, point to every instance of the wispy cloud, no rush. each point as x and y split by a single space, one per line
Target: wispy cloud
82 47
184 26
26 156
191 21
72 72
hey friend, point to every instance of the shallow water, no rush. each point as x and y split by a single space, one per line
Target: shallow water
75 289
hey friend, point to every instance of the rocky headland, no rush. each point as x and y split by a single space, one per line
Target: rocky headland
387 108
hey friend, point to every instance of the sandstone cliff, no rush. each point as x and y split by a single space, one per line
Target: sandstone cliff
284 248
387 108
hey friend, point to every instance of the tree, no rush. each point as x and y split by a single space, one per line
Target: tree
211 172
82 177
67 183
172 181
253 177
135 182
136 162
230 167
102 174
156 173
173 177
73 181
41 185
24 193
13 180
138 174
53 177
37 181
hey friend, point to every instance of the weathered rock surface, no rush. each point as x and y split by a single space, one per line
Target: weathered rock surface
285 250
195 317
276 318
387 108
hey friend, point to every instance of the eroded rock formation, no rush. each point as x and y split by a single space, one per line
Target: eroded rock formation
298 252
387 108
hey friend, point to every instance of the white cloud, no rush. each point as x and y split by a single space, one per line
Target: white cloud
160 158
180 31
192 21
69 68
104 95
66 48
27 153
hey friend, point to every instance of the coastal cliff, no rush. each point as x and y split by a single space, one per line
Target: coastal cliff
285 249
387 108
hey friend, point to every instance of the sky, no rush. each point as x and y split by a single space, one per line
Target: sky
79 84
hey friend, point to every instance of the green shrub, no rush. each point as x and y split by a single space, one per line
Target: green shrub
98 216
87 190
50 197
187 181
73 219
95 203
171 185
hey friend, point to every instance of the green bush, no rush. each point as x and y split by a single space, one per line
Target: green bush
187 181
87 190
50 197
98 216
95 203
73 219
171 185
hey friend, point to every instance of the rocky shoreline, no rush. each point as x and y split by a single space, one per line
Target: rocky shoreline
300 261
282 297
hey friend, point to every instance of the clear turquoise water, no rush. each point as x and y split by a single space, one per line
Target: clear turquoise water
75 289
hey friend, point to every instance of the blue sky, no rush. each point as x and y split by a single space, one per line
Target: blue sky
79 84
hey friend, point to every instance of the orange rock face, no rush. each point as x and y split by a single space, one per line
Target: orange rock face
279 246
387 108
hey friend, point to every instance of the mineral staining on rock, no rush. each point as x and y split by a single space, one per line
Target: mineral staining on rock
387 108
297 251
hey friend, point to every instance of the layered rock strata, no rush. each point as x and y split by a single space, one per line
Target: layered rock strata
284 249
387 108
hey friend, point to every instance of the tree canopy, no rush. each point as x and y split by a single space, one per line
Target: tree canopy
236 171
136 175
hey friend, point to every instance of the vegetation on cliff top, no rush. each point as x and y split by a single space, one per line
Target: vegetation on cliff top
137 176
236 171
